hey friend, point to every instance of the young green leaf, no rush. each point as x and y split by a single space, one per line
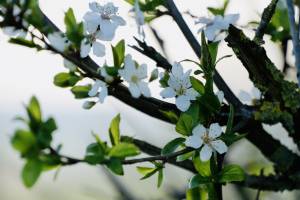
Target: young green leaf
81 92
34 111
114 130
31 172
74 30
203 168
118 53
65 79
171 115
94 154
199 180
171 146
147 171
185 156
123 150
231 173
184 125
197 85
115 165
23 141
160 177
197 193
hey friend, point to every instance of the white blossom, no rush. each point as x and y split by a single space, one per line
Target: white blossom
90 42
180 87
108 78
104 19
134 75
208 138
220 95
13 32
69 65
214 26
99 89
139 18
248 97
58 41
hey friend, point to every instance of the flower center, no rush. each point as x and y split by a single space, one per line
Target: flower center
134 79
181 91
108 10
206 139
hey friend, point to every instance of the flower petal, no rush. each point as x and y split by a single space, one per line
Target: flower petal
142 71
107 30
177 69
205 153
183 103
85 48
118 20
98 49
143 86
103 94
168 92
193 141
215 130
134 90
219 146
199 130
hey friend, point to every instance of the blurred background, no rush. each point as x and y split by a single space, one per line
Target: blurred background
24 73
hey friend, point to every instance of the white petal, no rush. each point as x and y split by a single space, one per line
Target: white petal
143 86
85 49
215 130
118 20
211 32
183 103
69 65
231 18
91 22
191 93
244 96
103 93
9 30
168 92
193 141
220 95
205 153
107 30
256 93
177 69
134 90
199 130
94 6
98 49
219 146
142 71
95 88
57 41
129 63
203 20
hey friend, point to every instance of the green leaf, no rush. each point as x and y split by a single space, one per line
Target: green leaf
197 193
203 168
164 80
34 113
231 173
171 146
199 180
31 172
160 177
44 134
66 79
94 154
123 150
184 125
115 165
119 53
213 50
114 130
74 30
23 141
154 75
230 120
147 171
206 59
171 115
197 85
185 156
81 92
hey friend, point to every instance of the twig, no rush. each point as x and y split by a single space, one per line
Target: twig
221 84
295 36
265 20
